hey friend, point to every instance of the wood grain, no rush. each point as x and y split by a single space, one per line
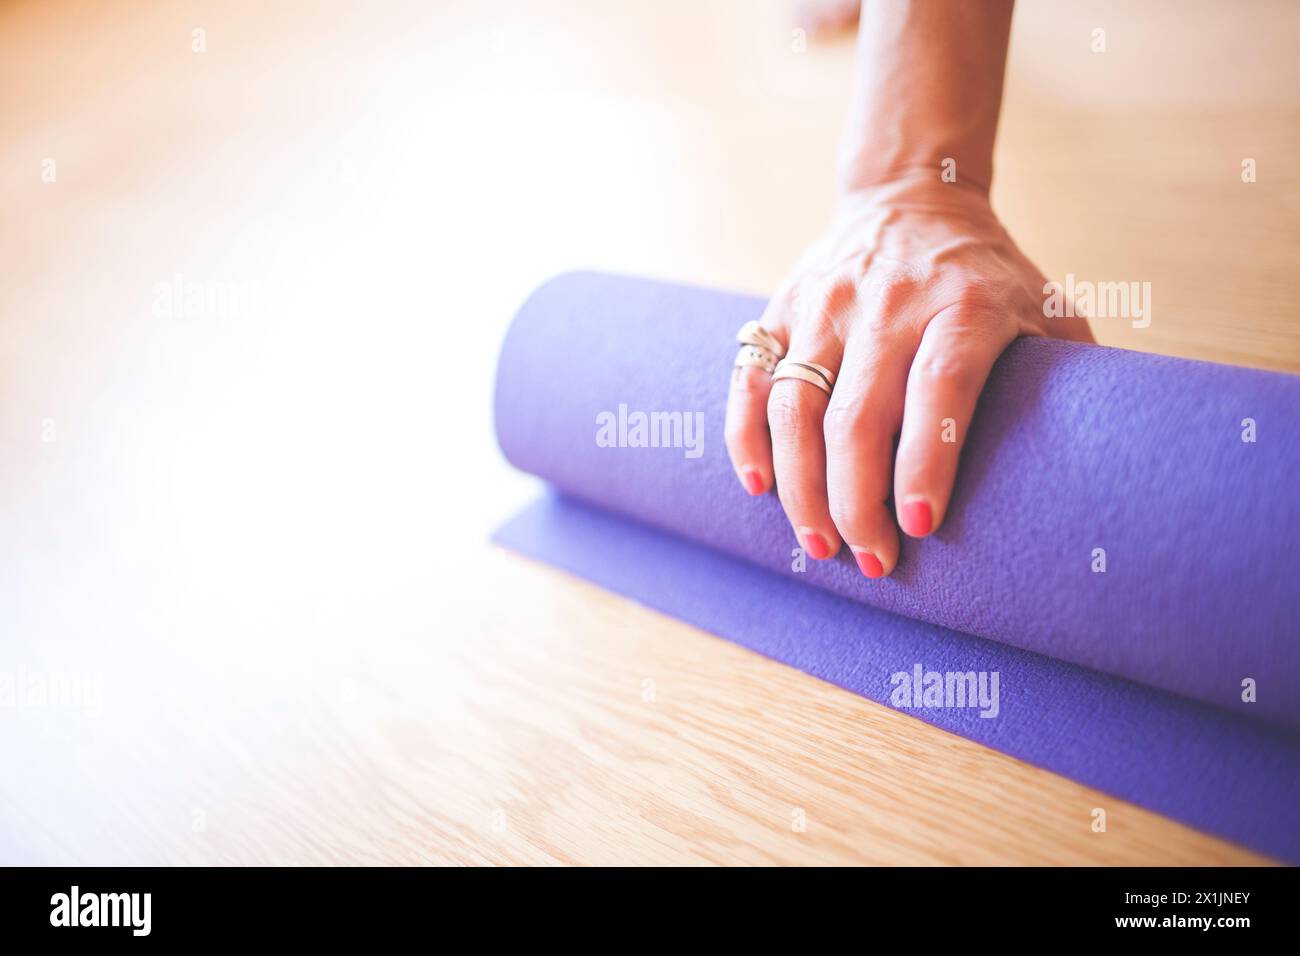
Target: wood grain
569 726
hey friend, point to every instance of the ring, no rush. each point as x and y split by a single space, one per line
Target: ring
809 372
756 356
751 333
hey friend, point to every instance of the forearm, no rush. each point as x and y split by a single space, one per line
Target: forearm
928 88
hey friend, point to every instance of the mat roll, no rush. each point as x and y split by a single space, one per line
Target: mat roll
1073 448
1127 680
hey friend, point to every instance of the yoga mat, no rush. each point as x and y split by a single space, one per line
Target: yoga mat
1228 775
1073 448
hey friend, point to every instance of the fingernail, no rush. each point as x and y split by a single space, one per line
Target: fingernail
916 518
815 544
753 481
868 563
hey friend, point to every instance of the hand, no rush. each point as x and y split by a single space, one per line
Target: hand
909 298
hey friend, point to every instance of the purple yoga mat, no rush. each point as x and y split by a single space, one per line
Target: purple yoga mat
1073 448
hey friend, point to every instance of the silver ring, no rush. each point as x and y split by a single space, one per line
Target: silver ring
809 372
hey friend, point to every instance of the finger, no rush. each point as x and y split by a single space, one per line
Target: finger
748 443
957 350
860 425
795 410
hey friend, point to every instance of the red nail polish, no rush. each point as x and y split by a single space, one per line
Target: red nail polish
816 545
753 482
916 518
869 564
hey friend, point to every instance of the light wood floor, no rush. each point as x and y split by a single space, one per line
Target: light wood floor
250 529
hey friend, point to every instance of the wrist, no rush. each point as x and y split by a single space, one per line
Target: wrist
879 164
909 184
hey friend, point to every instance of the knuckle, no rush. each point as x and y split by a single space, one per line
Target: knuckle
835 294
789 414
893 285
977 297
888 294
823 305
946 369
841 424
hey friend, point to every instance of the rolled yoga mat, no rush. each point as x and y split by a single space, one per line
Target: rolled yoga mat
1128 679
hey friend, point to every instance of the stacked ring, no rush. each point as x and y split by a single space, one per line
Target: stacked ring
758 347
810 372
757 356
751 333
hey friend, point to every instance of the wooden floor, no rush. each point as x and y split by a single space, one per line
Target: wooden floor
246 522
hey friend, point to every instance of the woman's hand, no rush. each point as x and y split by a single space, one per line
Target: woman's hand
909 298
